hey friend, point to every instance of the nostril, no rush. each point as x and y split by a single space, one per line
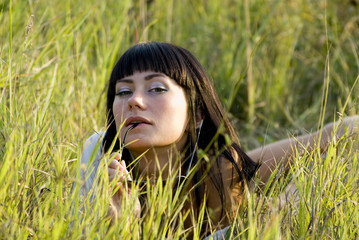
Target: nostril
135 101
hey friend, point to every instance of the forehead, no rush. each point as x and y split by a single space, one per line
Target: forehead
146 75
154 57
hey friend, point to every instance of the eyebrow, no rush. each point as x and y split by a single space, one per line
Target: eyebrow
148 77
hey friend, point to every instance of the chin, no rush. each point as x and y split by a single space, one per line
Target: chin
138 147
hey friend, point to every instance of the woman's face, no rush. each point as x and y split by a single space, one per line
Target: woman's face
158 104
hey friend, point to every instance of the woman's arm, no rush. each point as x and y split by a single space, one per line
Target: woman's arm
281 152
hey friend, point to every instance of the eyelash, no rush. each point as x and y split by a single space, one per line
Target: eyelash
126 92
158 89
123 93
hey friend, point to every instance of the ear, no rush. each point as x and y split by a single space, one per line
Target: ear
199 118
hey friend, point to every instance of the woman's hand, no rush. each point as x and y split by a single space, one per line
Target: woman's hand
117 168
349 125
117 172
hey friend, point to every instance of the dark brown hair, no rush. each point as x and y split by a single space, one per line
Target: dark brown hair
180 65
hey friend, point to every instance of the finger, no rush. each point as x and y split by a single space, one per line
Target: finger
120 171
112 173
118 178
116 156
114 164
123 164
122 167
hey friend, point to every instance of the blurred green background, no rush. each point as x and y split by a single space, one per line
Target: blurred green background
270 61
280 67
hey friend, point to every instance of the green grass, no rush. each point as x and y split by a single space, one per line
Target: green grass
280 67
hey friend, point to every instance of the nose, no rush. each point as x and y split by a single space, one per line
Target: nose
136 101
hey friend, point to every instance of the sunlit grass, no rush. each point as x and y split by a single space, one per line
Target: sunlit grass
55 59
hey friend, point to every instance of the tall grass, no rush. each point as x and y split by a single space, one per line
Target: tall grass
274 63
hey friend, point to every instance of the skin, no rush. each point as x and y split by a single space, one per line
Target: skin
162 103
142 94
117 172
281 152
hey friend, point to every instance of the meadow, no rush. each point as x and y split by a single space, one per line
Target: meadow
281 68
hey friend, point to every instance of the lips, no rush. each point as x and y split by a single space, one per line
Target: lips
136 119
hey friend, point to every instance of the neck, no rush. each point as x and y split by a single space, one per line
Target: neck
164 161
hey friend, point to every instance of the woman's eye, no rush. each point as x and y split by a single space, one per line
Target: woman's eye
123 92
158 89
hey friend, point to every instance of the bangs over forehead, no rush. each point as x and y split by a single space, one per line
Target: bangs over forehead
157 57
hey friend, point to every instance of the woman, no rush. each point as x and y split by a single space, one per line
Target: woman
162 101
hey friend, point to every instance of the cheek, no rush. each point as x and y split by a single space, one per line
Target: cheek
179 114
118 109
